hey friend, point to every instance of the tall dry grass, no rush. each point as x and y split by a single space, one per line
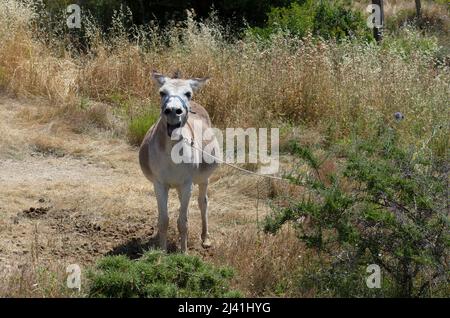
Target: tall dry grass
27 67
338 88
265 265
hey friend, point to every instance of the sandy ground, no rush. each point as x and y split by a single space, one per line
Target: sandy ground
69 197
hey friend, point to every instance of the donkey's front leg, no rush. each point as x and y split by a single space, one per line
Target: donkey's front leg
184 193
162 192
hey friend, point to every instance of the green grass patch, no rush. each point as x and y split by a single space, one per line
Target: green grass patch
157 274
3 80
139 125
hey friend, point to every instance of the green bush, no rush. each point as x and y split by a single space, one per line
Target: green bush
157 274
385 206
138 126
409 41
327 19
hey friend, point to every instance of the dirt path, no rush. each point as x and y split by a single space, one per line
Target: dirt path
71 198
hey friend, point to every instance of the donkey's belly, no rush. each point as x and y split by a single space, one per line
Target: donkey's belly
175 175
167 172
159 166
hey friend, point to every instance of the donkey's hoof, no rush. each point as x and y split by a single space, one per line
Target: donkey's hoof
206 243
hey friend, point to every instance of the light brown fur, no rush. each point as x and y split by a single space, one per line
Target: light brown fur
158 165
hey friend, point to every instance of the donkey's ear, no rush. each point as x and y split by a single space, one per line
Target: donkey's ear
197 83
159 78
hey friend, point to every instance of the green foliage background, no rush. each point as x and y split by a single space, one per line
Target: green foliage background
386 205
327 19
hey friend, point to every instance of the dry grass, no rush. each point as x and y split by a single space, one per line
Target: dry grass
31 280
336 88
266 265
28 70
393 7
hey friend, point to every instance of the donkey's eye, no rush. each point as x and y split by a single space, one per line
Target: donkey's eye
188 94
162 94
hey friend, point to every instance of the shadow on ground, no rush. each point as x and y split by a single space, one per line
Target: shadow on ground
135 247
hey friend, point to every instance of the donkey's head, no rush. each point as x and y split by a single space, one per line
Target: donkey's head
176 95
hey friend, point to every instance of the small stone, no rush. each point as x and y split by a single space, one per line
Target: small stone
399 116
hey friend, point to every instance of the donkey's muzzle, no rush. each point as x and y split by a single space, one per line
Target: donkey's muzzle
173 112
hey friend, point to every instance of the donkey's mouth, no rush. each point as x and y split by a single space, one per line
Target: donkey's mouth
171 128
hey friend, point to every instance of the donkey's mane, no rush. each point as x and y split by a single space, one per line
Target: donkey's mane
177 74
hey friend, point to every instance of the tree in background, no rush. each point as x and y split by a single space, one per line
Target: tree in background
230 11
418 9
378 31
327 19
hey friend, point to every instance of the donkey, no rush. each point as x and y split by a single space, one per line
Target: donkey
178 113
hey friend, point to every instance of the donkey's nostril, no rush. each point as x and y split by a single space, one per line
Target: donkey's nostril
179 111
167 111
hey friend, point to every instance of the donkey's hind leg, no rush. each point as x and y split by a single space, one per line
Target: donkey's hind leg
203 205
